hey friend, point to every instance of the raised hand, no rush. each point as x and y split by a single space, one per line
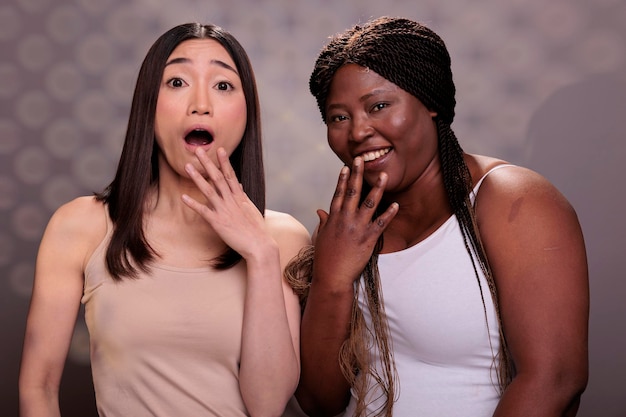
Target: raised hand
228 210
347 235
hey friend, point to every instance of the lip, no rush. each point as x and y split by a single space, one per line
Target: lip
386 151
197 127
192 147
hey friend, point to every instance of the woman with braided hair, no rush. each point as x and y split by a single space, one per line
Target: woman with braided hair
440 283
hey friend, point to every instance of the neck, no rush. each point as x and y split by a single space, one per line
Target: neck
423 208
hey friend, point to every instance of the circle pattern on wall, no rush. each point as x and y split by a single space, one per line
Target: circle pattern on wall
68 82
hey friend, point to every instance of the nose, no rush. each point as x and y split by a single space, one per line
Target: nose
361 129
200 102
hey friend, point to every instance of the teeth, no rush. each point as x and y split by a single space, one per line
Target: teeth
370 156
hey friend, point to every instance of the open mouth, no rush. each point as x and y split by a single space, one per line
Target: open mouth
371 156
198 137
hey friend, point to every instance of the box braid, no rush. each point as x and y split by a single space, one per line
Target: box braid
416 59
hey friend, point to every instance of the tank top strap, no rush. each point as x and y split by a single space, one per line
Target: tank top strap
96 260
480 181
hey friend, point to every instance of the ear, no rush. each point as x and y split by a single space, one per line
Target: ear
433 114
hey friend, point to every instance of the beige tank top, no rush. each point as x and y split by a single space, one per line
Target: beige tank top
167 343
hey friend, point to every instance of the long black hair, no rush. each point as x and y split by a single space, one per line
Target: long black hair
138 170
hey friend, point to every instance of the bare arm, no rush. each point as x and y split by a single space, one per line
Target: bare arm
57 291
270 365
535 247
344 243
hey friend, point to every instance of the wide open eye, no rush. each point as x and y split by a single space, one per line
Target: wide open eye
224 86
176 82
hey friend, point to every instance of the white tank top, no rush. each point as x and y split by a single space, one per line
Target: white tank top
443 349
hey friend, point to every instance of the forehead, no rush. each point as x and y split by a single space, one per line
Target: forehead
201 51
356 79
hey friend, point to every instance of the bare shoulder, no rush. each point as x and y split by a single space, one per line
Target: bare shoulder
521 216
283 224
513 186
80 212
479 165
79 224
289 233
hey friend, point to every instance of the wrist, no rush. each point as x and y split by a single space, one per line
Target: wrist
333 284
262 252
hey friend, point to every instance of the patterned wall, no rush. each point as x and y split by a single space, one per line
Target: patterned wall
539 83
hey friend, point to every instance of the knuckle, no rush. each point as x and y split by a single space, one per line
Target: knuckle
351 192
369 203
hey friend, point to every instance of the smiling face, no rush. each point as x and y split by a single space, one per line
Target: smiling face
201 103
370 117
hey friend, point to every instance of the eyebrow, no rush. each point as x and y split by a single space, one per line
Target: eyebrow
363 98
213 61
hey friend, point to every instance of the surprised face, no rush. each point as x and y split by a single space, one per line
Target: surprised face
201 103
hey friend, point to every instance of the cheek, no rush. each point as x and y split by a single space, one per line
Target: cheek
338 145
161 116
241 115
158 130
238 127
234 123
400 124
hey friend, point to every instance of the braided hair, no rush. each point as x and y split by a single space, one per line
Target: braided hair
414 58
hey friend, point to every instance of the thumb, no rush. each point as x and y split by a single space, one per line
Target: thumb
323 216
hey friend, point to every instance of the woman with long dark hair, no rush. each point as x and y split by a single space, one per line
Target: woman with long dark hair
178 263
